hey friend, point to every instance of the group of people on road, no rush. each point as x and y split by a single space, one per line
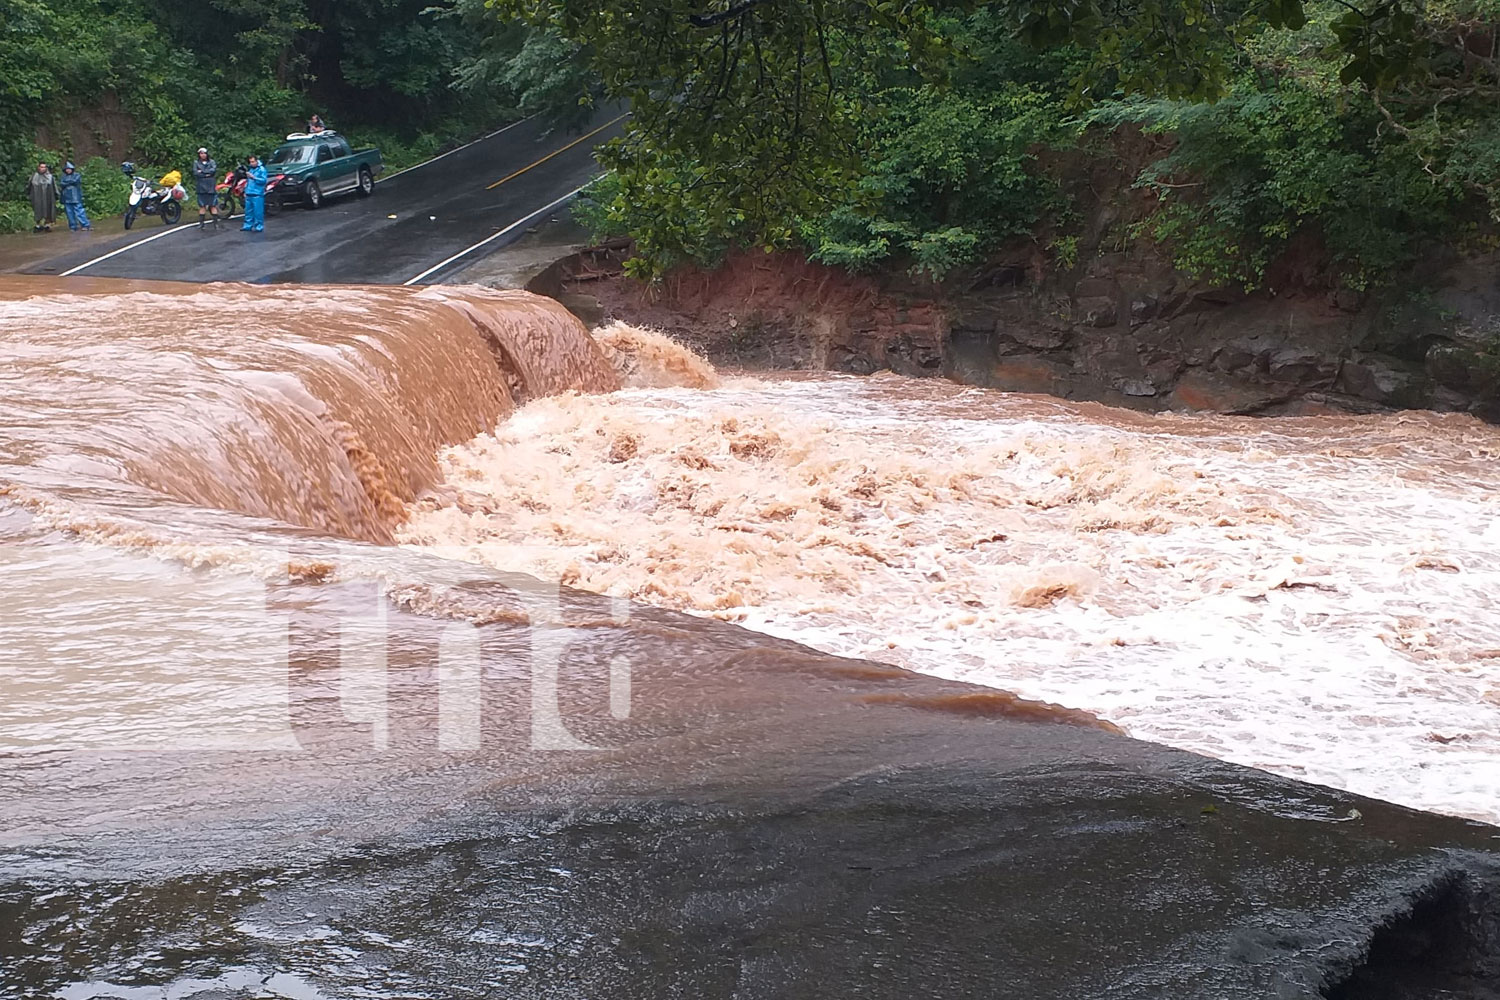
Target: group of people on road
46 189
206 188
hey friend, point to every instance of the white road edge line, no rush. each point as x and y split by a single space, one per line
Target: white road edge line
182 228
490 239
178 228
455 149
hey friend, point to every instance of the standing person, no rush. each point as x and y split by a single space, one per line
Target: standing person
255 197
43 190
205 180
71 183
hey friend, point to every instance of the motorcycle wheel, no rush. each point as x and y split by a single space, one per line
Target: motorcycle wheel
129 216
274 203
170 213
312 195
226 205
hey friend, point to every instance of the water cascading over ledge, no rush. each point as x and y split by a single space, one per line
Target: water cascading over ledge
194 801
321 407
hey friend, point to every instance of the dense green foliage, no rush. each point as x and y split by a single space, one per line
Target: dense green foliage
745 115
1300 150
950 175
920 134
408 75
1260 168
927 134
952 169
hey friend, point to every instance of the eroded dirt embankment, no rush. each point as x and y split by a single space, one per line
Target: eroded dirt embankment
1124 328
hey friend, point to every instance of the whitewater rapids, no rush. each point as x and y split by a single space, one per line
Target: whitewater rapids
1314 596
1310 596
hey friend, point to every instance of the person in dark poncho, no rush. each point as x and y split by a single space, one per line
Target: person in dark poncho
205 185
43 191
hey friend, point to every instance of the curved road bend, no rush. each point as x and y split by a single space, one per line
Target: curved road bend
441 208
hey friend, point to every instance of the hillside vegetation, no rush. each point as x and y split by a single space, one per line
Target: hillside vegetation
409 75
922 135
919 135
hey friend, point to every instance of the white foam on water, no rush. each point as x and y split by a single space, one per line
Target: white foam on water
1314 597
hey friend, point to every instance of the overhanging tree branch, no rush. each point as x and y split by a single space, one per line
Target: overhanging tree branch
719 17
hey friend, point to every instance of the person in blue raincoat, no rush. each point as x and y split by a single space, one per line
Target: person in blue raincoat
255 198
71 183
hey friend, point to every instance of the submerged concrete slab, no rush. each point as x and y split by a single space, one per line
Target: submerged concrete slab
767 822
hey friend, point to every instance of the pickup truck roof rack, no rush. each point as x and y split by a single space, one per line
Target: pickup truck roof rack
311 135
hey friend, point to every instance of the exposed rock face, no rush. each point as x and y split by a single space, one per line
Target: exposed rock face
1121 328
766 311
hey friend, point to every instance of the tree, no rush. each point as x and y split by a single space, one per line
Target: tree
237 74
750 115
541 72
745 115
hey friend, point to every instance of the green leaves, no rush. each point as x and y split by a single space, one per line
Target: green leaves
1288 14
929 170
1384 47
48 52
536 69
235 74
950 174
1173 48
1262 168
746 113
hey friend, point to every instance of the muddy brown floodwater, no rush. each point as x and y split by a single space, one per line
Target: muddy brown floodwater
374 642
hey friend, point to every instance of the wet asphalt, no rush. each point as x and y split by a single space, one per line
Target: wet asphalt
414 220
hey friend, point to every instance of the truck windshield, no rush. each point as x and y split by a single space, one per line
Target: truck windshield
293 154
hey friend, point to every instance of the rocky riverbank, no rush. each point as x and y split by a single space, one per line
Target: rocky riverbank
1122 327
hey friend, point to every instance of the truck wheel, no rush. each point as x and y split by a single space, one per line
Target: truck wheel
366 182
312 195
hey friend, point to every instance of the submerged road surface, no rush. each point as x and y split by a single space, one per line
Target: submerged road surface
420 226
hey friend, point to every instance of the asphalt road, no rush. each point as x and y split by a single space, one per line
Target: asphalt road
422 225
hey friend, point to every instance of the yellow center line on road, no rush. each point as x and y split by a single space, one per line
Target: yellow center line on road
550 155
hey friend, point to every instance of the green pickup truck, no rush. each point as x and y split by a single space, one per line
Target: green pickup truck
308 168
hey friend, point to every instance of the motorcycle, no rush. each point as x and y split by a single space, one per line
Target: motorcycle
147 198
232 192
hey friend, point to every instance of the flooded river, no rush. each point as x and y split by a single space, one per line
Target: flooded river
412 643
1313 596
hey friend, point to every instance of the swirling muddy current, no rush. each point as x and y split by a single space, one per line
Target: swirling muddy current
249 747
1312 596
